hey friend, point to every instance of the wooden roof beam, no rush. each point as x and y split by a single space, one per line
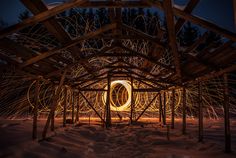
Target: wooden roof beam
56 29
172 35
41 17
197 20
115 4
147 58
143 35
101 53
188 9
68 45
213 74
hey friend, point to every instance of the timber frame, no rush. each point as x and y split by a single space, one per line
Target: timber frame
194 69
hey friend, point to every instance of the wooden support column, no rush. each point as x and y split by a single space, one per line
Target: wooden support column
226 115
54 105
173 110
108 110
164 108
77 109
53 114
160 108
36 102
132 101
200 113
65 106
73 106
184 111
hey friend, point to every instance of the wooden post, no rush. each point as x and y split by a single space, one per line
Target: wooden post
184 111
65 106
173 110
54 105
132 101
108 110
160 108
200 113
73 106
89 119
53 115
77 110
36 102
226 115
164 108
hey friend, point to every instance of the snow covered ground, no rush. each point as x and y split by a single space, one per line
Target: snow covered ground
146 140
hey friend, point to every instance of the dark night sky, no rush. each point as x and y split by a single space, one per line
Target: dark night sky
216 11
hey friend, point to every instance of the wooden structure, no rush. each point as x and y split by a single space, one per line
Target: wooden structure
184 70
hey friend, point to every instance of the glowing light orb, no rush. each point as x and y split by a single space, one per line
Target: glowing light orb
113 106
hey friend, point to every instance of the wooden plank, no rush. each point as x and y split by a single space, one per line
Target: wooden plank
146 57
54 105
196 43
115 4
92 89
41 17
228 34
197 20
147 90
77 109
67 45
143 35
37 7
145 83
36 103
73 107
146 108
96 81
56 29
173 110
160 108
164 108
184 111
132 101
200 113
188 9
172 35
108 110
227 115
213 74
58 72
90 105
15 49
65 106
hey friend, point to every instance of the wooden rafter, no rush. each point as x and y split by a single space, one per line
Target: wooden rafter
67 45
196 20
188 9
56 29
172 35
41 17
